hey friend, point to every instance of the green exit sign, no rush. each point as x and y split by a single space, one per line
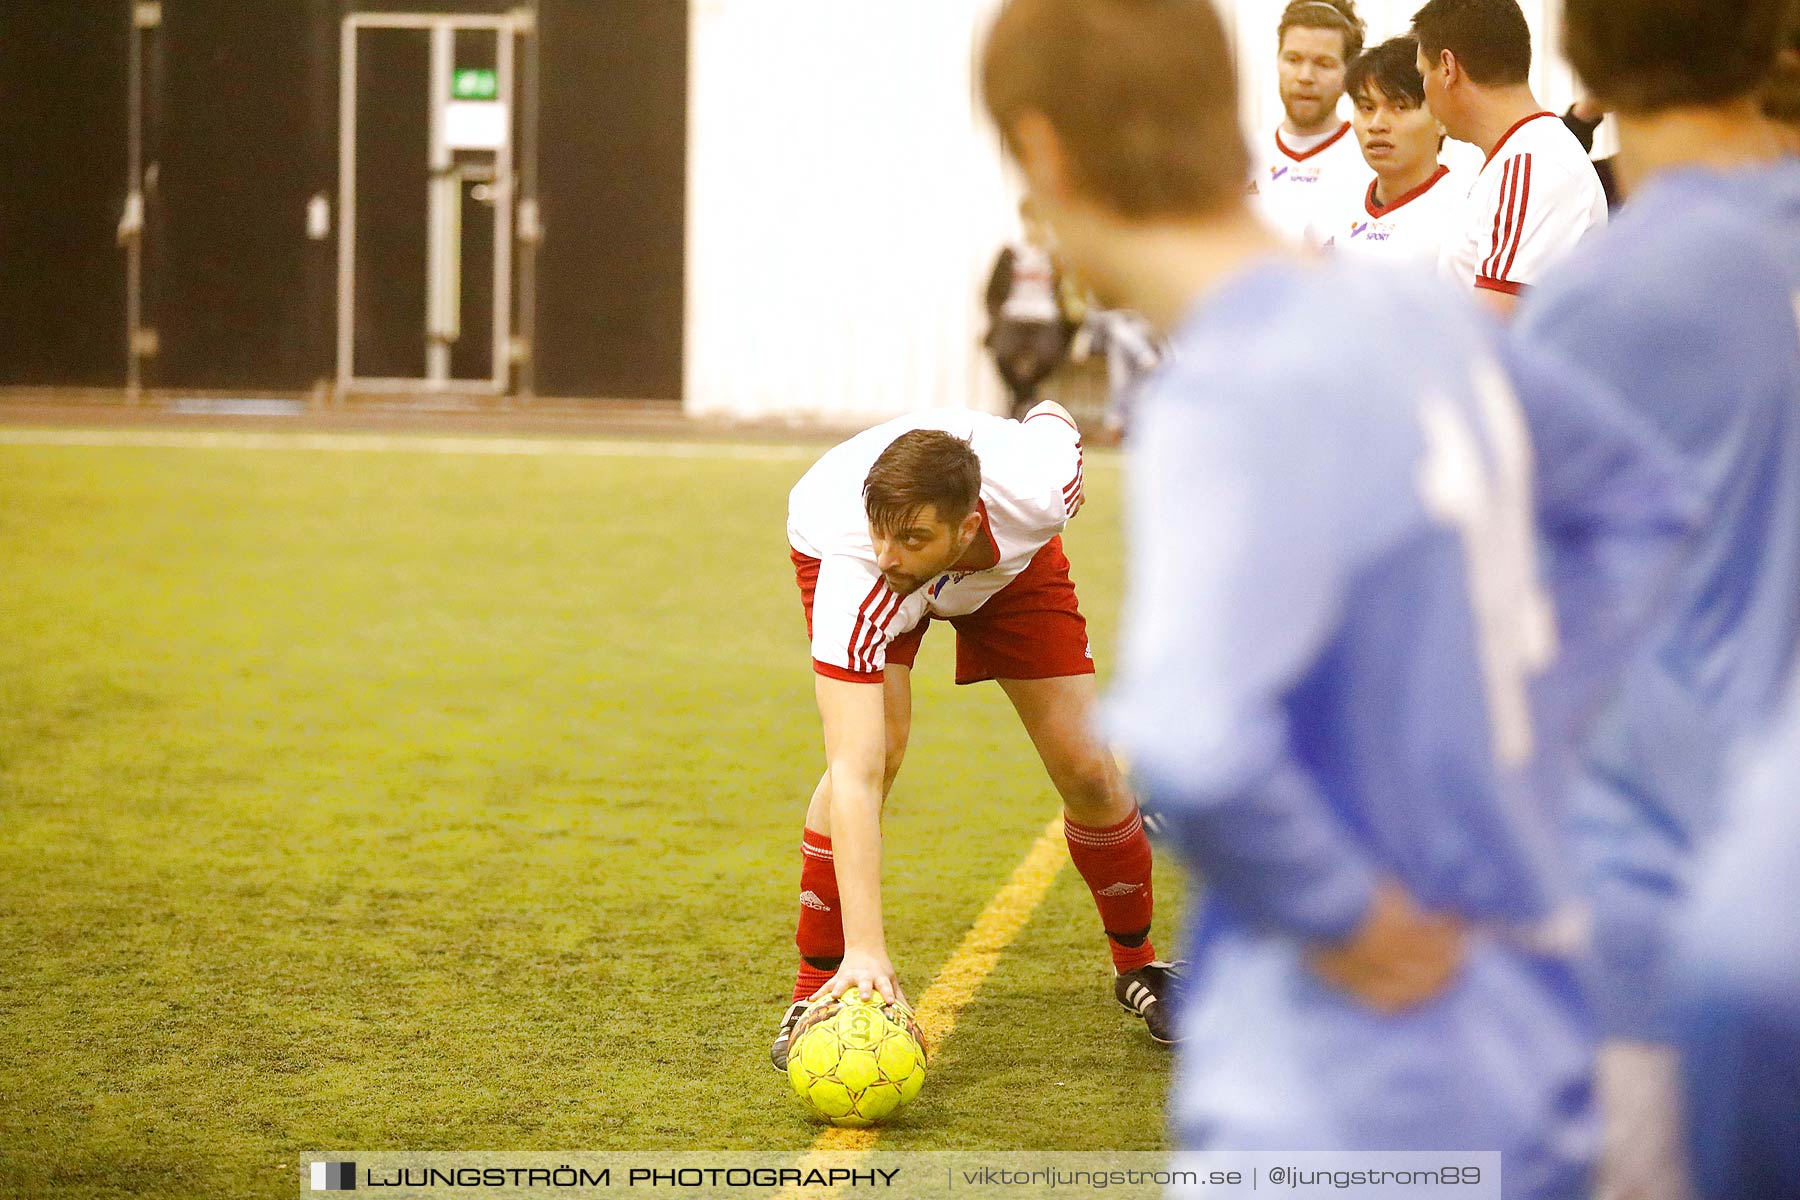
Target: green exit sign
474 83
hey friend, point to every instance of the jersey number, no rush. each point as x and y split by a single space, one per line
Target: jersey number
1487 499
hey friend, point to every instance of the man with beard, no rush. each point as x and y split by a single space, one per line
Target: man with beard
954 516
1299 168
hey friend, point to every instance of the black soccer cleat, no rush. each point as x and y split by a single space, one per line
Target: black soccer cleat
1143 993
778 1052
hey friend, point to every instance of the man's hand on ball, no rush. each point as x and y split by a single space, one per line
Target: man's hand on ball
869 972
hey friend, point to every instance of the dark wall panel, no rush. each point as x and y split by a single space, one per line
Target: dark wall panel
393 131
237 166
63 123
612 177
241 117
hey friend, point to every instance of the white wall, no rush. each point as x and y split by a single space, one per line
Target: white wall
846 198
845 202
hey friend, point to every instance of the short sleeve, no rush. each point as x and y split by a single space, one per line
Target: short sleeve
1542 213
854 617
1052 448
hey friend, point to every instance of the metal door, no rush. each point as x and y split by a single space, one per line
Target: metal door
426 193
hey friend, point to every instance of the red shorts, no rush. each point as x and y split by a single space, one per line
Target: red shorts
1030 629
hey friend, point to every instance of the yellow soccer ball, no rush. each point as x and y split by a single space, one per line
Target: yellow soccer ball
855 1062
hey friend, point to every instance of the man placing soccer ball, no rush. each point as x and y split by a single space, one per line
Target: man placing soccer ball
956 517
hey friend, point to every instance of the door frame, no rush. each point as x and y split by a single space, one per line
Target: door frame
442 28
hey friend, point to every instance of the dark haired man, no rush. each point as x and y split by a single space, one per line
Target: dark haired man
1411 207
951 516
1307 160
1689 309
1338 635
1537 195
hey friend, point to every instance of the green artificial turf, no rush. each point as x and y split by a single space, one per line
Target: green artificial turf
416 801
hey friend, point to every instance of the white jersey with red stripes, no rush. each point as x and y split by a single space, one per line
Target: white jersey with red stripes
1031 485
1534 200
1292 186
1412 230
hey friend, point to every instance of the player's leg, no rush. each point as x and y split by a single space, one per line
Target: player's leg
1056 715
1032 639
1011 358
1100 816
1105 834
1045 347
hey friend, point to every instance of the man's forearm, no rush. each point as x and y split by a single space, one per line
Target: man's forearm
856 846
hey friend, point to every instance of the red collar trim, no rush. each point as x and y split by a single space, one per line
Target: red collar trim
1323 146
1402 202
987 527
1528 120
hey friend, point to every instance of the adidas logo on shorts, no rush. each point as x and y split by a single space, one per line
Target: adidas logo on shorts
811 900
1120 889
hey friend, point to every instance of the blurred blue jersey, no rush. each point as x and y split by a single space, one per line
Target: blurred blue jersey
1735 981
1688 307
1339 634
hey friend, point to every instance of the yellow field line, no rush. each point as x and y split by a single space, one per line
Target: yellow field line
962 976
993 931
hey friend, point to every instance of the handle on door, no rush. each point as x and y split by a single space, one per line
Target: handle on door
444 320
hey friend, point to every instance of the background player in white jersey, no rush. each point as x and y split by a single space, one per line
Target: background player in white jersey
1687 309
1411 207
1029 329
1537 195
1298 167
951 516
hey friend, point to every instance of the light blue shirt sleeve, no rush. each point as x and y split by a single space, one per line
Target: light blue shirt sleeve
1238 563
1616 508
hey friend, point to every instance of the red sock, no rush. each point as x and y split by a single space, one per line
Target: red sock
1115 861
820 933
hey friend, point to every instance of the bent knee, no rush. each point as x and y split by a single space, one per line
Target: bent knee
1090 788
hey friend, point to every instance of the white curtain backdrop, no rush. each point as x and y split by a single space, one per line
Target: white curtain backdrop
845 202
846 198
